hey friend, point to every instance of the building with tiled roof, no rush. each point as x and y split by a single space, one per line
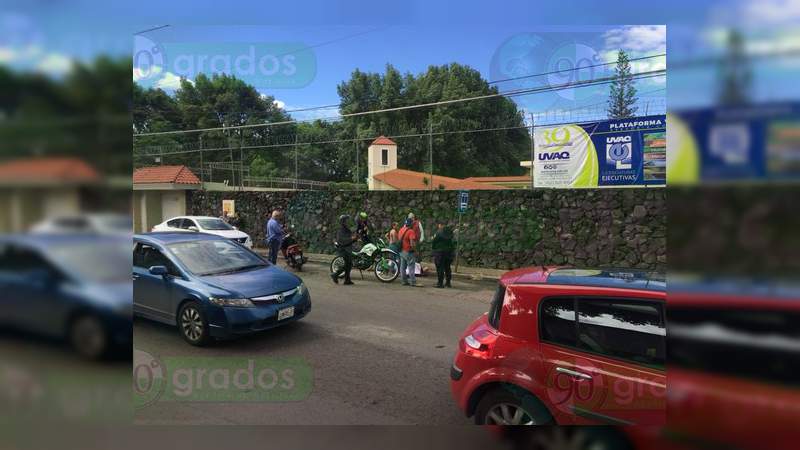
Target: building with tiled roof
34 189
508 182
383 174
409 180
159 193
48 171
165 174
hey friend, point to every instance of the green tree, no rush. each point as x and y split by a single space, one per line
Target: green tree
220 101
85 114
454 154
622 94
735 73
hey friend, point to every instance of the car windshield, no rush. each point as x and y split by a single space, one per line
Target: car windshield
215 257
100 262
213 224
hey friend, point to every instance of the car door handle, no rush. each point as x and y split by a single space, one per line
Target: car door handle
572 373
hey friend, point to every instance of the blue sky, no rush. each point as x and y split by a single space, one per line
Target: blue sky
46 35
333 52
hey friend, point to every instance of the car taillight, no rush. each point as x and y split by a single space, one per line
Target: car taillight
479 343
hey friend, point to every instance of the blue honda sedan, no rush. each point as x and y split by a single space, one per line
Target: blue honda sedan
73 287
211 287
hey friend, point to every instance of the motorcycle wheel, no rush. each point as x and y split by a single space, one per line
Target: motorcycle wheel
387 267
336 264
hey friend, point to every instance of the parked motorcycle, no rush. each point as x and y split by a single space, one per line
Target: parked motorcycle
292 252
376 257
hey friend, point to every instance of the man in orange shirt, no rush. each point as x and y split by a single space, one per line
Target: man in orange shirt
408 241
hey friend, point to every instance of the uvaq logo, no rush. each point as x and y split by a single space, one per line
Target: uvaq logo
618 151
561 156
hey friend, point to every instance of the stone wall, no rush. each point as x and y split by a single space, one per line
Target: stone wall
748 230
501 229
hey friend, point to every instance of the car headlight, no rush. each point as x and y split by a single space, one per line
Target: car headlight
302 290
233 302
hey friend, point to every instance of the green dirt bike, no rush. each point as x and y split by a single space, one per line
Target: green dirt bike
377 257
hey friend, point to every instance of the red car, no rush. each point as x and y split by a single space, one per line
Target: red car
734 364
532 360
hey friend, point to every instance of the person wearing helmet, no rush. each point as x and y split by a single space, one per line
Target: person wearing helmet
344 248
363 228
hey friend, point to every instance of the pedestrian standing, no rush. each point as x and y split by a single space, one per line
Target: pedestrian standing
344 248
391 236
274 233
408 243
418 229
443 248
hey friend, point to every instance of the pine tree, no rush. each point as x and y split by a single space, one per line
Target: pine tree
622 95
735 74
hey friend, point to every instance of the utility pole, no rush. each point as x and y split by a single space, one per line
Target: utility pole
202 168
295 160
241 161
355 150
533 145
430 147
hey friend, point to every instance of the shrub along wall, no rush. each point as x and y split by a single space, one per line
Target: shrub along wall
501 229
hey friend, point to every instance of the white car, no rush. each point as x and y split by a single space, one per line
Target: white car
210 225
106 224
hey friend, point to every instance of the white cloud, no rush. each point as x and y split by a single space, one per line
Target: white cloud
279 104
55 64
769 12
637 39
7 55
170 82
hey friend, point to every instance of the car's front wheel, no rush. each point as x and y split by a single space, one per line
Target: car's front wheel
192 324
511 406
89 337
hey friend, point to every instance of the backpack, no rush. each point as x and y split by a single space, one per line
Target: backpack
397 246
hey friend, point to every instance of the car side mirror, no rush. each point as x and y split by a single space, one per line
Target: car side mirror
158 271
193 228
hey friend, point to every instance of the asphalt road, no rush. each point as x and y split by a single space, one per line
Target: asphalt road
380 354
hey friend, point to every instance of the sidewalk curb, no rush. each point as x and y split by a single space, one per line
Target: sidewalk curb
477 275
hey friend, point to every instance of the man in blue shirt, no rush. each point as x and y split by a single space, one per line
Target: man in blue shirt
274 235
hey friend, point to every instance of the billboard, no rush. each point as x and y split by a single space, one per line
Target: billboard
620 152
753 142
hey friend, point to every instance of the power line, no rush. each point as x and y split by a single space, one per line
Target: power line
338 105
349 140
526 91
160 148
333 141
151 29
574 68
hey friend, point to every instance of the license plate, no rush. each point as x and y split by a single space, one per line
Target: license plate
285 313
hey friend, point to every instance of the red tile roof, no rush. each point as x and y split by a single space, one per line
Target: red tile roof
506 179
383 140
58 170
409 180
165 174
